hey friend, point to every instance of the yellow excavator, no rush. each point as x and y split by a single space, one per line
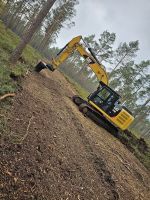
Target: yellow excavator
103 105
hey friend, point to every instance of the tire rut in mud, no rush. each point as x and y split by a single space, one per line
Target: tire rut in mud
98 163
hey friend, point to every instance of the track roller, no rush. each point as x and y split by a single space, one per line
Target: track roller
77 100
98 119
83 108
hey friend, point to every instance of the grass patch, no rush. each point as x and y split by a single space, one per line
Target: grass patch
144 158
138 146
4 110
80 90
8 42
6 83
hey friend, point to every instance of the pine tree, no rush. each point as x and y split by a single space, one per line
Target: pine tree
62 14
28 35
124 54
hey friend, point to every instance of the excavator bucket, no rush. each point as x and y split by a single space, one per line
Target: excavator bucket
42 65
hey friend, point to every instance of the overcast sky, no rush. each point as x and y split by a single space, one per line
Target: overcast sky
129 19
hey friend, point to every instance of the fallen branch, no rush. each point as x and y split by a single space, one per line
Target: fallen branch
27 131
7 95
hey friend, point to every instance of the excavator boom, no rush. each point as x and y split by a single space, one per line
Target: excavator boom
75 45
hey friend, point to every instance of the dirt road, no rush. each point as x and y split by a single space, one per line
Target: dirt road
61 155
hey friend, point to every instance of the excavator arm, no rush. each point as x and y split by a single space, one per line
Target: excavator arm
96 67
71 47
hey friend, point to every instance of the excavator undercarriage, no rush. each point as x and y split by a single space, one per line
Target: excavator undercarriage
95 116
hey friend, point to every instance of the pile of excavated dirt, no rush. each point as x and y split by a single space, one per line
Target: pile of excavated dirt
58 154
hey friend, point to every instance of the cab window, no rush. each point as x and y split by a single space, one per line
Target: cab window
104 94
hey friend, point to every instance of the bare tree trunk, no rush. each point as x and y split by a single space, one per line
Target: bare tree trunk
13 16
137 113
139 117
49 32
45 41
111 73
146 133
5 10
32 18
28 35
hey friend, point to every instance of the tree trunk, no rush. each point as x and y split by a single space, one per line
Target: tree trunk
28 35
139 117
13 16
45 42
32 18
49 32
5 11
137 113
111 73
146 133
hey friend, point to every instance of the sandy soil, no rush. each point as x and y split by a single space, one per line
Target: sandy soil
58 154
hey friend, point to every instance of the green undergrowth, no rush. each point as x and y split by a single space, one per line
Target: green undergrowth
8 42
144 158
80 90
138 146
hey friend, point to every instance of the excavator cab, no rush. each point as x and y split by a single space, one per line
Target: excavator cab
106 99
